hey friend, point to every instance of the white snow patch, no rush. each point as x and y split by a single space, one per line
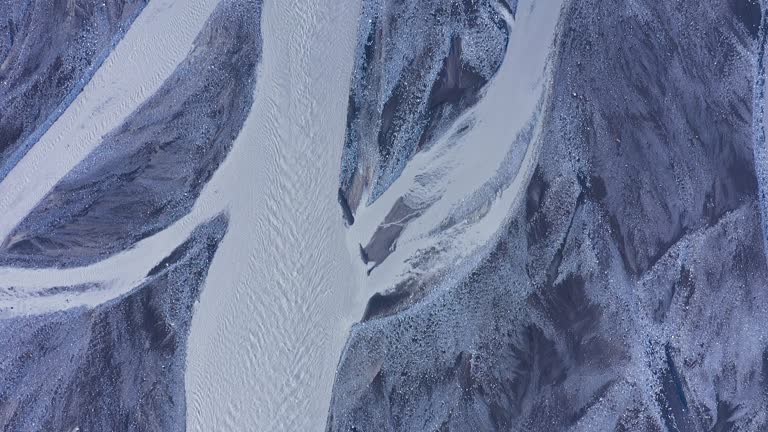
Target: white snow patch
280 297
159 39
459 167
281 293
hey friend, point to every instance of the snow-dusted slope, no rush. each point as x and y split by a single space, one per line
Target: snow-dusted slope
625 292
118 366
437 217
159 39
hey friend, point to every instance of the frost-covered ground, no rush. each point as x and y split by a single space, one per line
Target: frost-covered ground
173 130
626 290
49 50
383 215
265 343
116 366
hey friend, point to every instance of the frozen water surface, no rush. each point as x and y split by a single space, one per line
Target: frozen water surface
383 215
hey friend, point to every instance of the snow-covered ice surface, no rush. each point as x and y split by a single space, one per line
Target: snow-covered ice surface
282 294
383 215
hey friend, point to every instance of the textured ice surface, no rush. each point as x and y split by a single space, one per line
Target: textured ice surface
148 172
116 367
49 49
627 293
553 210
108 351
